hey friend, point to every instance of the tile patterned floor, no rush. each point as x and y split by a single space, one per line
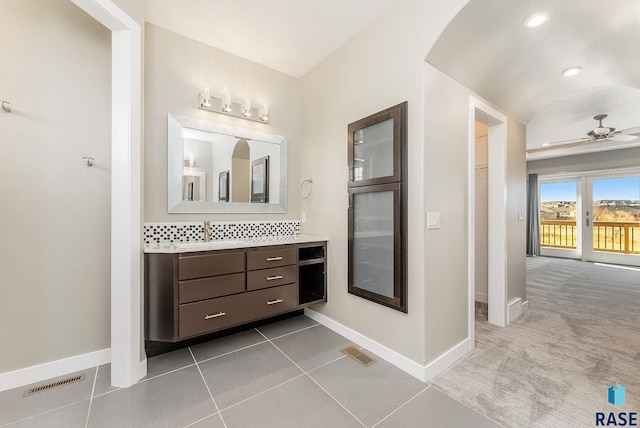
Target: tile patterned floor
288 374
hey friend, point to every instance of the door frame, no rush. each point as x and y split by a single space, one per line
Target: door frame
580 187
128 362
497 206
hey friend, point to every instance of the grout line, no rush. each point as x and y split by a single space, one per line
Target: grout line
260 393
43 413
200 420
157 376
400 407
207 386
290 333
314 381
93 389
230 352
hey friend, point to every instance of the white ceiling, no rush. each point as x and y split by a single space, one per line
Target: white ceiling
486 48
291 36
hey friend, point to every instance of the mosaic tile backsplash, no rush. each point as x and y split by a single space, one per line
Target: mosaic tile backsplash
167 232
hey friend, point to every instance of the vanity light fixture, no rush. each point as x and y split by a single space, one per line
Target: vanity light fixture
536 20
228 107
571 71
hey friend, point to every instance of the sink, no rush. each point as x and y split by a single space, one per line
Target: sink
211 245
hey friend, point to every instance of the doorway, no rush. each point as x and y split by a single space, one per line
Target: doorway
496 250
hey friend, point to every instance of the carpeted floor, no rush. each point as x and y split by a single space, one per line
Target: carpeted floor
554 365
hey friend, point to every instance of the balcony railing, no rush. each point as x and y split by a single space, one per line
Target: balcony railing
609 236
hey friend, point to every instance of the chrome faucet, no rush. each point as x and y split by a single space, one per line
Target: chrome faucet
207 232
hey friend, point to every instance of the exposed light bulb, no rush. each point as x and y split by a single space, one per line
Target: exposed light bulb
264 114
206 98
226 106
246 108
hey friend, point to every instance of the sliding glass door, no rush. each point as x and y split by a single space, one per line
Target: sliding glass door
593 217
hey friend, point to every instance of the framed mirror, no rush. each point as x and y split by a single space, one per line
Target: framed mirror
217 168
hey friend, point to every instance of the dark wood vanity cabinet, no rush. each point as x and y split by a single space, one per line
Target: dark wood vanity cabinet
195 293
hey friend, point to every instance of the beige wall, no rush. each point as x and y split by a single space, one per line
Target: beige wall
176 70
516 211
55 246
379 67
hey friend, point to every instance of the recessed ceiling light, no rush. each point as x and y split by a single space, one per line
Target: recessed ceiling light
536 20
545 144
571 71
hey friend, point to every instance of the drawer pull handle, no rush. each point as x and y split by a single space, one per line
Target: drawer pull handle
273 302
219 314
271 278
274 259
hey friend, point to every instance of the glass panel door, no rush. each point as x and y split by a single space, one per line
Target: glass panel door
613 220
374 245
559 225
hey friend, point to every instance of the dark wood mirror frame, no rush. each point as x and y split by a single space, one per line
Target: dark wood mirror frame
397 183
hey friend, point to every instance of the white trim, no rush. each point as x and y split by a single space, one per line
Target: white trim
126 218
482 297
497 202
447 359
52 369
423 373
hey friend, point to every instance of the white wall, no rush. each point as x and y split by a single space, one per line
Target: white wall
55 246
176 70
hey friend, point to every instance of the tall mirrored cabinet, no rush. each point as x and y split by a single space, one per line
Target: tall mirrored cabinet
378 207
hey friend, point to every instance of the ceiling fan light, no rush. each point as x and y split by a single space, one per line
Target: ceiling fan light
571 71
602 131
536 20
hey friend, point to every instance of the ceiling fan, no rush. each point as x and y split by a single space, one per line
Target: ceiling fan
599 134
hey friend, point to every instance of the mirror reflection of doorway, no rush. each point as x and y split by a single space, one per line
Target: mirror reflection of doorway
240 172
223 186
260 180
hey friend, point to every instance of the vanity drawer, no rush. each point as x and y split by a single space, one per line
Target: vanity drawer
272 301
216 314
272 257
209 264
206 288
265 278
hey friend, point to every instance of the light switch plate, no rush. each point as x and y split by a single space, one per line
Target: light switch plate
433 220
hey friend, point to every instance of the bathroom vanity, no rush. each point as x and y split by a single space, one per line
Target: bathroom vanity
204 287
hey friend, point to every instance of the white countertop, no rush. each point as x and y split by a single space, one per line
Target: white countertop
189 247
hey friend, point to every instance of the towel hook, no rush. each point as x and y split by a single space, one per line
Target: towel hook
5 106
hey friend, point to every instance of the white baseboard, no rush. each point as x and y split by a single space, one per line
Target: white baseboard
54 369
423 373
515 309
482 297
